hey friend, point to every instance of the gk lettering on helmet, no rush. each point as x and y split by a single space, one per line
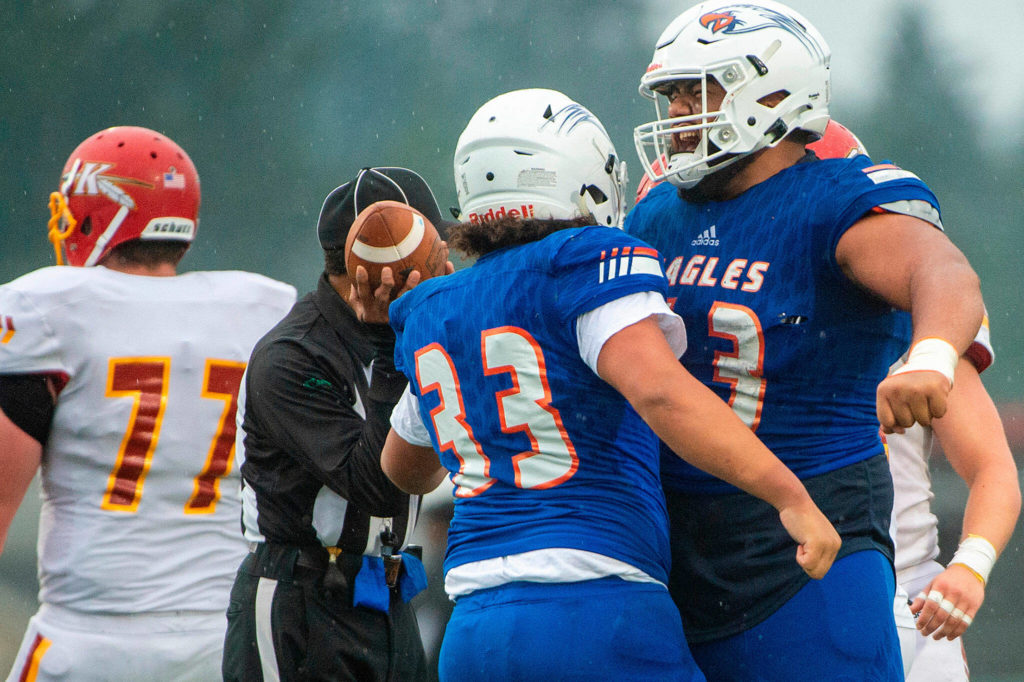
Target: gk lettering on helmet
88 179
702 271
523 211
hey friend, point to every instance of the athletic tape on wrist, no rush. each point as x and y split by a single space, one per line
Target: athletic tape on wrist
934 355
977 555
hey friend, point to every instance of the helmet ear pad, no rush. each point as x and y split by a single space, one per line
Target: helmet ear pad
121 184
536 153
773 66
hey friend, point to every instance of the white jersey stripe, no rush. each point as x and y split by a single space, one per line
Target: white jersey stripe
887 174
264 629
645 265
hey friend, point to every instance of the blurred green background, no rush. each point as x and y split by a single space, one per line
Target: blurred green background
278 103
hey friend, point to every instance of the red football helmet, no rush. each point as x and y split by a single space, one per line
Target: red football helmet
120 184
646 184
837 143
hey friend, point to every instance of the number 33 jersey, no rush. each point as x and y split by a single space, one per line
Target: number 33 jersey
543 452
140 509
775 327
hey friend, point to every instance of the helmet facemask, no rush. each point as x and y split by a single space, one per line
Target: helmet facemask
716 136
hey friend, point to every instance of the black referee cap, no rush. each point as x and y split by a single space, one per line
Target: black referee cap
369 186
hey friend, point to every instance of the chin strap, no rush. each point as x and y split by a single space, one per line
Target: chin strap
61 224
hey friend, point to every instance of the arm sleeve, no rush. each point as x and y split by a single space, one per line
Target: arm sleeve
407 423
317 419
594 328
27 401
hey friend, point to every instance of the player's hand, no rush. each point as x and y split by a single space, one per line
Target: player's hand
415 277
817 539
371 305
411 281
948 605
903 399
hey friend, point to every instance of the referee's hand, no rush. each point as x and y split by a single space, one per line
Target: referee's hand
371 305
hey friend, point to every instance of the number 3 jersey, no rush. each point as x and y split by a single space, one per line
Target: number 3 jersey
543 452
140 508
775 327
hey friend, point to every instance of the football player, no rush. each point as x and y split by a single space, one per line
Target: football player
973 440
531 375
791 274
119 378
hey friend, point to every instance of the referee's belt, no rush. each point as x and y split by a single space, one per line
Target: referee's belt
369 579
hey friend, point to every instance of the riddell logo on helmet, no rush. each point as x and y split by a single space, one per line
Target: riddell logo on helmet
524 211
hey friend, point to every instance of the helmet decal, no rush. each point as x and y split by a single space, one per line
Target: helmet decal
716 21
570 116
743 18
91 178
173 179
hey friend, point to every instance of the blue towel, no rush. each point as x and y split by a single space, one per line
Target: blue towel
371 589
414 577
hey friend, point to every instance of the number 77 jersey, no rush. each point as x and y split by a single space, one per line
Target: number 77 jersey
543 453
140 498
774 326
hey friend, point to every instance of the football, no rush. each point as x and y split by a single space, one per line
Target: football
393 234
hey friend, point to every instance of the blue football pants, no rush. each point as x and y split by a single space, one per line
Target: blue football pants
606 629
839 628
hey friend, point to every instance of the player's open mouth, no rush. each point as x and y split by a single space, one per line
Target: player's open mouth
683 143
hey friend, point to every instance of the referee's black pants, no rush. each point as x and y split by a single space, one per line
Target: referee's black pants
281 618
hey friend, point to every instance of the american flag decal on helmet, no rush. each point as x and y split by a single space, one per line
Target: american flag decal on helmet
630 260
173 179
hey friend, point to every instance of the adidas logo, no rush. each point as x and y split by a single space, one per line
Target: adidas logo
709 238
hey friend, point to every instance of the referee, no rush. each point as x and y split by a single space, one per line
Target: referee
323 593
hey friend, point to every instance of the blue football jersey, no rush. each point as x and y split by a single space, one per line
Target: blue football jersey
543 452
774 326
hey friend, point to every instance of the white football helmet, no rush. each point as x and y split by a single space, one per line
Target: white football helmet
537 154
752 49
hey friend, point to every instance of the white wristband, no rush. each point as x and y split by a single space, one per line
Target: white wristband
934 355
977 554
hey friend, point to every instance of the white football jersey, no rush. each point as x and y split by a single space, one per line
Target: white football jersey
140 505
916 527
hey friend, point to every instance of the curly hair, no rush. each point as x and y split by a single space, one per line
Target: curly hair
478 239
